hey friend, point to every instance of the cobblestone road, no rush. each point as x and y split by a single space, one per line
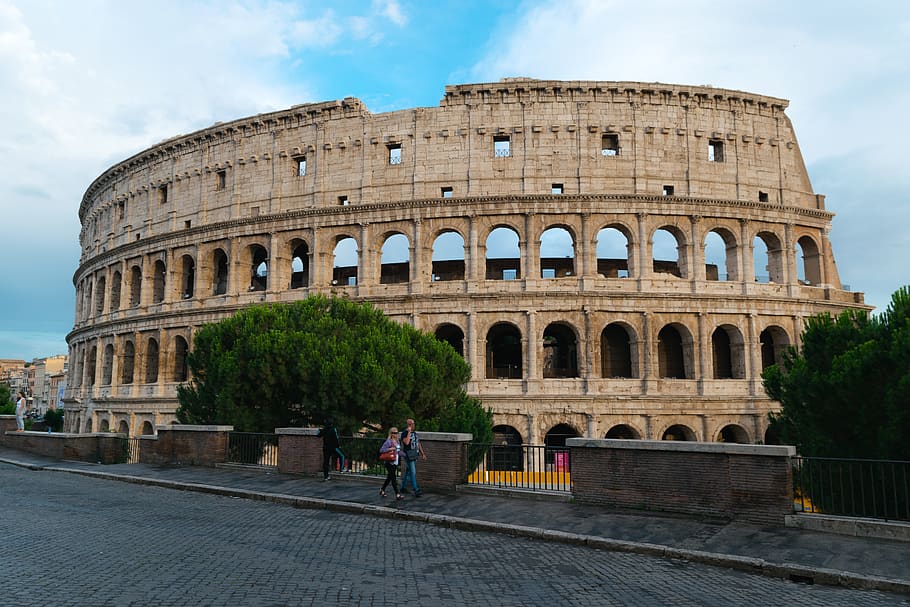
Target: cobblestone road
73 540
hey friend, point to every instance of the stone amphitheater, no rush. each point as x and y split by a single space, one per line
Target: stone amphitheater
616 259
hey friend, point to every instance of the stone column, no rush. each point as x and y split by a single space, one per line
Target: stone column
746 256
697 259
279 278
367 260
531 343
420 258
752 357
703 347
644 264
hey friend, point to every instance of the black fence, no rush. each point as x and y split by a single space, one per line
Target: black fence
252 448
877 489
527 467
361 455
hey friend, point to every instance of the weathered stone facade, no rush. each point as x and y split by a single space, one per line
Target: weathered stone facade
584 342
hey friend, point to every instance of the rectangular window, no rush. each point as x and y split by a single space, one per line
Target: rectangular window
352 281
715 150
220 179
763 197
343 201
509 274
187 224
121 209
394 153
502 146
301 165
668 190
609 145
162 194
447 192
548 273
556 188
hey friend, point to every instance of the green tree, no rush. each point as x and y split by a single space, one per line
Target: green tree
6 398
846 393
286 365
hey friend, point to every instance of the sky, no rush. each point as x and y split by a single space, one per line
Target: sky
87 83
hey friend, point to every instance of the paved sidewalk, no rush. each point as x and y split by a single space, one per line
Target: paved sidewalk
800 555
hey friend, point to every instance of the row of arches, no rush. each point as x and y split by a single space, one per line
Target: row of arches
267 265
130 360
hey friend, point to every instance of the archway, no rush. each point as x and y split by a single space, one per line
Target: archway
346 259
560 351
452 335
504 355
678 432
506 452
613 253
623 431
733 433
448 257
503 255
557 253
300 265
615 352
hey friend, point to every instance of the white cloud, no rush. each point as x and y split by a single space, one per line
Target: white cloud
391 10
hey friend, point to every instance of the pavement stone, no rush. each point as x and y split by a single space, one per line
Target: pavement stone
839 561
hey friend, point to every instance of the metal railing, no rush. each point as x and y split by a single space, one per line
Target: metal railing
361 455
132 450
528 467
852 487
253 448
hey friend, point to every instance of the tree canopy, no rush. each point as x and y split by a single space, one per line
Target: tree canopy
289 365
846 393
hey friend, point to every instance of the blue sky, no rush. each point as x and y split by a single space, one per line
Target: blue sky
86 84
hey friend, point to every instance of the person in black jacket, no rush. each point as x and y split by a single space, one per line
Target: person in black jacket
331 447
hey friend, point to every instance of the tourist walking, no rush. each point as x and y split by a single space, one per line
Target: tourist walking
411 449
20 412
331 447
389 453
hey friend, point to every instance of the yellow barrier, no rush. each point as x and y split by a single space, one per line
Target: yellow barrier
520 479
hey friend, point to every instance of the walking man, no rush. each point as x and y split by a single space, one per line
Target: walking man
331 447
411 449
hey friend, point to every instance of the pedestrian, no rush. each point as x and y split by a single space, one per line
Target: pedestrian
20 411
331 447
411 449
391 465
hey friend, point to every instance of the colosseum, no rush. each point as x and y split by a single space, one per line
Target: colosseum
615 259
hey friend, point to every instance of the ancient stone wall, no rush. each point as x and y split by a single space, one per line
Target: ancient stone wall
587 339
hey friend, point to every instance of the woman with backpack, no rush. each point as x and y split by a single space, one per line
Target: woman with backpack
388 453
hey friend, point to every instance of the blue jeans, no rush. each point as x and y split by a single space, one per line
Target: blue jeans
409 472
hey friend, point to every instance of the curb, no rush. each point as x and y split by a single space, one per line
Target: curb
791 571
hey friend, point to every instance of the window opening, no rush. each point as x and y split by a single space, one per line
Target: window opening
394 153
610 145
220 179
343 201
668 190
162 194
447 192
556 188
301 166
502 146
763 197
715 150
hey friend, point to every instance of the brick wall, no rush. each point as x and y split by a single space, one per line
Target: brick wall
749 483
446 465
299 451
186 445
104 448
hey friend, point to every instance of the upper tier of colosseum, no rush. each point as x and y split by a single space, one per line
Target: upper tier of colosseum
516 137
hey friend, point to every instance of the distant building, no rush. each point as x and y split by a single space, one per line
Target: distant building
40 373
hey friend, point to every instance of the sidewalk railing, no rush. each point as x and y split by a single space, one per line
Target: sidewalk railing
132 447
253 448
877 489
527 467
361 455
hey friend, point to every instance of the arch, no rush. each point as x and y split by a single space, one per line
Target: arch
452 335
87 300
100 288
728 353
613 247
668 252
623 431
259 267
556 454
151 361
135 286
88 425
720 255
90 361
616 356
128 362
674 352
346 260
147 429
160 276
187 277
560 351
774 342
116 286
124 427
103 426
395 265
733 433
503 261
767 248
504 352
300 264
448 256
507 452
557 253
678 432
180 367
809 270
220 272
107 365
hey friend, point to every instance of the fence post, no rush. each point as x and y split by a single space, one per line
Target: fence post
446 465
299 451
